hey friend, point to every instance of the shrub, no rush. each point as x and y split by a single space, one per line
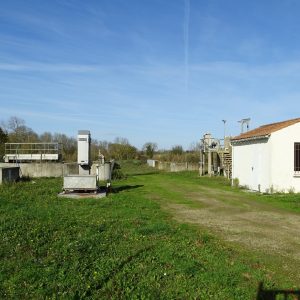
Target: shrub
117 172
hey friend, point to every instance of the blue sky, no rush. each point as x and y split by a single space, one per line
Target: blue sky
165 71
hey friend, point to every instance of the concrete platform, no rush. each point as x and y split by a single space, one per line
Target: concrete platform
75 195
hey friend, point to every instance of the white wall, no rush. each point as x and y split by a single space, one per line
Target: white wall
282 168
251 164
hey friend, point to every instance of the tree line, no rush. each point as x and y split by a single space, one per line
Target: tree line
15 130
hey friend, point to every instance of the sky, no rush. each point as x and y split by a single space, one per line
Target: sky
164 71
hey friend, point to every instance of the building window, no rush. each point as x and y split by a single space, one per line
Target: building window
297 157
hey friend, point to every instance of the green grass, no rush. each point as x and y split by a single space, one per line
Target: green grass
136 167
289 202
121 247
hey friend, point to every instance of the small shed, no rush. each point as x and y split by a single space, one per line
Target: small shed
152 163
267 159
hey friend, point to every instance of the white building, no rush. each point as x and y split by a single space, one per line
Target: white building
267 159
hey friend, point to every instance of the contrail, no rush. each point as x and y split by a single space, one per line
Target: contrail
186 28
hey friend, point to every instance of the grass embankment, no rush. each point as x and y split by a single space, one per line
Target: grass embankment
123 246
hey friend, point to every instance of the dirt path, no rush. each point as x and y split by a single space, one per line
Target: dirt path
237 219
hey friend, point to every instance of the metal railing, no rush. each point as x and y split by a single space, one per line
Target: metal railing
32 151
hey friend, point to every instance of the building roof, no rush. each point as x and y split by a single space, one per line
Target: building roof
265 130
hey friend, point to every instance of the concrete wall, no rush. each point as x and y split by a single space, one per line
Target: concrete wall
9 174
70 169
166 166
102 170
48 169
34 170
177 167
251 164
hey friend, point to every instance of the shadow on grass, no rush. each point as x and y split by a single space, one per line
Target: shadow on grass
272 294
113 272
24 179
141 173
126 187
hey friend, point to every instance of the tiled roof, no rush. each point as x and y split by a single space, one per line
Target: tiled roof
265 130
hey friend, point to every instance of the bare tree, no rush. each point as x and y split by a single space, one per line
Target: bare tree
18 132
177 150
14 123
69 145
46 137
121 141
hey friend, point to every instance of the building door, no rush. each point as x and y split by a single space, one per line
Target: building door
256 168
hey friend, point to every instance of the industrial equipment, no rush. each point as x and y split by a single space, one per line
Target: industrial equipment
84 148
83 181
88 174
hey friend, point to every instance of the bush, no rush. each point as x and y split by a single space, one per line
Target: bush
117 172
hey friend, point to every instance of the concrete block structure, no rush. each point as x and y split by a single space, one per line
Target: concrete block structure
80 183
9 173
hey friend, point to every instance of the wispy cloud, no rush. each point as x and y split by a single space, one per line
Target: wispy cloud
252 47
248 70
34 21
45 67
165 73
186 41
77 118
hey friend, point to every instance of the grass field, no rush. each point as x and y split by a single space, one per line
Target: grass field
134 244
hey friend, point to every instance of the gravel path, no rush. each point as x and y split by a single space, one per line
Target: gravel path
237 219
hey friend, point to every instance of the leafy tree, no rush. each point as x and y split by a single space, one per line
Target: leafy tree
3 140
149 148
121 151
3 136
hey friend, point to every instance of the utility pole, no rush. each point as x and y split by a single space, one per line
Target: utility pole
224 121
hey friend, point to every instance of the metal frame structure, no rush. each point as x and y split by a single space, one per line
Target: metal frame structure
27 152
215 156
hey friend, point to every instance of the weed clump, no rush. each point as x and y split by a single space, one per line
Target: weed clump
236 182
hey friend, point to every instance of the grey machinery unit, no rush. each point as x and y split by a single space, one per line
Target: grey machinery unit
84 181
84 152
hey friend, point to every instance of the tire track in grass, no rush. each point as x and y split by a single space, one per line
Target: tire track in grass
118 269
